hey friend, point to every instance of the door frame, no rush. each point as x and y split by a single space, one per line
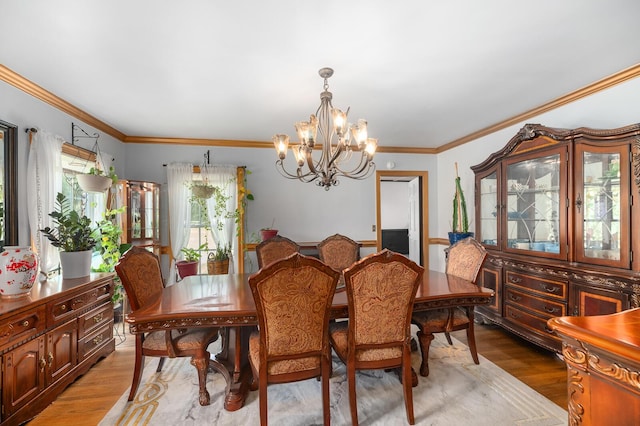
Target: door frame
424 207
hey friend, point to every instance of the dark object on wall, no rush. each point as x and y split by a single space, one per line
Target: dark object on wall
396 240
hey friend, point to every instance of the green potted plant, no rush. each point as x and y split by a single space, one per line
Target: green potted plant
218 260
96 180
74 236
189 266
460 227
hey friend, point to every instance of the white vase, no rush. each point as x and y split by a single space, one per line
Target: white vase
75 264
18 271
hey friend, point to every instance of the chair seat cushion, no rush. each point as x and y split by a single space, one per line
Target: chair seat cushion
188 339
338 332
436 319
280 367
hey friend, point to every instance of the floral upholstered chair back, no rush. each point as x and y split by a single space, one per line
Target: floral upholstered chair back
465 259
381 289
140 273
275 248
339 252
293 298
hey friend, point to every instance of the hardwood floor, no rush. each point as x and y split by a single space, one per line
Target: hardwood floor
88 399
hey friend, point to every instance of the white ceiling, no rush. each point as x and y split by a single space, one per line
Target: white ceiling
422 72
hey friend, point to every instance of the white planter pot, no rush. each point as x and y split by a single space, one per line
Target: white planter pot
94 183
75 264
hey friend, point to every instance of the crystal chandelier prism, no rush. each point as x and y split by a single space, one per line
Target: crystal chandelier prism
345 148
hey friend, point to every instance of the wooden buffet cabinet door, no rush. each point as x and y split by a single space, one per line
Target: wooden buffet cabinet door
43 337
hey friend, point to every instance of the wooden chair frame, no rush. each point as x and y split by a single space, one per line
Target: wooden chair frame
392 261
464 260
141 276
323 280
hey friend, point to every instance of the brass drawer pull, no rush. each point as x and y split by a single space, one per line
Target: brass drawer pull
514 315
26 323
63 307
43 364
551 310
98 340
515 279
514 297
549 289
50 359
98 318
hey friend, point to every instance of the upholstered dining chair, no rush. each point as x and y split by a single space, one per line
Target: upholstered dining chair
339 252
275 248
293 298
381 289
141 276
464 260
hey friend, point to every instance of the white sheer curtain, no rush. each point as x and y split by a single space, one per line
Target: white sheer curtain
224 177
44 181
178 174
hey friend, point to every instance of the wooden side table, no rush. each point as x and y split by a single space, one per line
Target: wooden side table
602 354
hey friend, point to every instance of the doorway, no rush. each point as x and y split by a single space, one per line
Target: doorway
408 229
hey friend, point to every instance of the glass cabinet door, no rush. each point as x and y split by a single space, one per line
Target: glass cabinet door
487 209
602 204
535 208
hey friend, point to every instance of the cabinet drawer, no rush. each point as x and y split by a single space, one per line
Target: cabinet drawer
543 305
531 321
22 326
541 286
95 319
95 341
63 309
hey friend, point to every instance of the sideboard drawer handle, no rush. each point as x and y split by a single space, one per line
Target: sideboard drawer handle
98 340
25 323
514 297
515 279
98 318
550 289
63 307
514 315
551 310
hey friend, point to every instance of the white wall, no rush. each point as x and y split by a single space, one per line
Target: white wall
25 111
394 205
305 212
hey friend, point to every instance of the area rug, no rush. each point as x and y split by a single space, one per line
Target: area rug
456 392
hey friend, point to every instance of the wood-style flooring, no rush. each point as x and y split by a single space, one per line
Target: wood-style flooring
90 397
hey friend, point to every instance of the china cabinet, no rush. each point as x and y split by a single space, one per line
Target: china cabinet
49 338
555 211
141 219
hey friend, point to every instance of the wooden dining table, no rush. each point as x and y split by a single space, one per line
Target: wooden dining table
226 301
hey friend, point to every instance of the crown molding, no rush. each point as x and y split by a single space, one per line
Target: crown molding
38 92
605 83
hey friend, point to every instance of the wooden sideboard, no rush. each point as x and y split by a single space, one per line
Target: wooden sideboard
555 210
50 337
603 364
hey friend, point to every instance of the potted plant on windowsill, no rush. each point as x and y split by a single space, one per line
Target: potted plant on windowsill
189 266
218 260
74 236
96 180
460 227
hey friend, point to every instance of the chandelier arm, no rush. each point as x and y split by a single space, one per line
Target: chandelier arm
358 169
304 177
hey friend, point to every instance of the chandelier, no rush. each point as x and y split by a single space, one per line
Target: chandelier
328 127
